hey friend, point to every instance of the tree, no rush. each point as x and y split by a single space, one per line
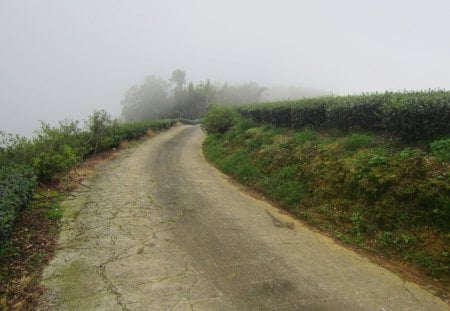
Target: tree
179 78
156 98
247 93
98 123
149 100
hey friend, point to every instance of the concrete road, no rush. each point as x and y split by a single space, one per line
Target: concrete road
161 229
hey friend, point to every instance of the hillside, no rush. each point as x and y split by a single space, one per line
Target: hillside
371 170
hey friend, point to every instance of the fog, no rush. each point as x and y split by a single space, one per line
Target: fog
62 59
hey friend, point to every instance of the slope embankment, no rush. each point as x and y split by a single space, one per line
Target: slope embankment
161 229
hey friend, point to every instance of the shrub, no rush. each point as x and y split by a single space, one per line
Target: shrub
57 149
286 187
218 119
382 194
441 149
304 136
308 113
410 116
356 141
17 184
100 125
356 112
54 149
280 116
15 149
417 116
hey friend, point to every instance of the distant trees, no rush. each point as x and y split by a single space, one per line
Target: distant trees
179 78
156 98
194 100
149 100
247 93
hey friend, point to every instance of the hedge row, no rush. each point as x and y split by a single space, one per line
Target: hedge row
135 130
53 150
409 116
17 184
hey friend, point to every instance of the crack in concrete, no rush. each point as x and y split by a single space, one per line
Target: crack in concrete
108 283
280 224
414 296
110 286
153 234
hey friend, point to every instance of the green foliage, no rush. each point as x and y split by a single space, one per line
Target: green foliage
295 114
57 149
156 98
54 150
410 116
219 119
54 161
190 122
355 226
304 136
396 241
356 112
378 193
311 112
238 165
17 184
441 149
214 151
15 149
54 210
100 125
286 187
118 132
356 141
418 115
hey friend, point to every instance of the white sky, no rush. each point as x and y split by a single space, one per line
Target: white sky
63 58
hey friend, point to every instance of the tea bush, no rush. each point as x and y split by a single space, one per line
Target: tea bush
17 183
373 192
356 141
441 149
218 119
24 162
410 116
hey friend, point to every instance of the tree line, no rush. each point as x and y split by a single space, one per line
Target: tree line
156 98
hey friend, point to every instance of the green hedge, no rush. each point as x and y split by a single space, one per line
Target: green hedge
133 130
17 184
417 115
53 150
361 112
218 119
409 116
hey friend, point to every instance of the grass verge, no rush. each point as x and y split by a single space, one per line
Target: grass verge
379 196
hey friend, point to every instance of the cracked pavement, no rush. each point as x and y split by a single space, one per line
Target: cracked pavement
160 229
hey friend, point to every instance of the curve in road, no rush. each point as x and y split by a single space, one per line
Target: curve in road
161 229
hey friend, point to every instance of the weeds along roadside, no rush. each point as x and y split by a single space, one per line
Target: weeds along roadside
32 174
379 193
25 162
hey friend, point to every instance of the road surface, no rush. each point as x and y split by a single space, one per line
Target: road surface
161 229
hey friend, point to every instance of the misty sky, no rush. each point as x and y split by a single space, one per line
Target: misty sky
63 58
